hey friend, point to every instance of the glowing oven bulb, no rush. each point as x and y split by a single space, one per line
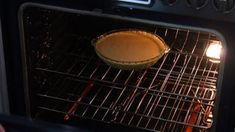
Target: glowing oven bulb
214 51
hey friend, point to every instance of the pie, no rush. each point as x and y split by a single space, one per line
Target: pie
130 49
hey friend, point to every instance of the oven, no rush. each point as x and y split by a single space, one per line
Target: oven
50 71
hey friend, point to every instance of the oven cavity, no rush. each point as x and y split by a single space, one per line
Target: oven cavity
66 77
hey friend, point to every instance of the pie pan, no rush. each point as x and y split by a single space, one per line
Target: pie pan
130 49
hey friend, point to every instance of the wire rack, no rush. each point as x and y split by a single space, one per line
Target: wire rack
175 94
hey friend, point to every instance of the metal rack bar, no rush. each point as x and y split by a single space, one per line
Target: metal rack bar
132 96
154 79
196 70
175 61
108 83
193 77
121 94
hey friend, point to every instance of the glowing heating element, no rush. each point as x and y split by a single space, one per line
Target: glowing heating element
214 51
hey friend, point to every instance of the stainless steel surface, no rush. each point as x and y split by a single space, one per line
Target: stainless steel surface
161 98
4 106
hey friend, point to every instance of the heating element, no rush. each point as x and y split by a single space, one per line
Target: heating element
176 94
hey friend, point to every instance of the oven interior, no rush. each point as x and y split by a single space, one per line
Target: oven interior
176 94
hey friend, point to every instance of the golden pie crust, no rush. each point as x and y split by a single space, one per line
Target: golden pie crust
130 49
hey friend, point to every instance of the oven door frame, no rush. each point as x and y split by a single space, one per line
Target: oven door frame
4 103
11 38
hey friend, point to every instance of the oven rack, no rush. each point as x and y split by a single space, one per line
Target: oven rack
113 104
173 93
163 97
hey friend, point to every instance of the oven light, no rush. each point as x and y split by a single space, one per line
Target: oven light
214 51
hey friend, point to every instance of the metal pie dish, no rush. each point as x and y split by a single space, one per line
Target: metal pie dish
130 49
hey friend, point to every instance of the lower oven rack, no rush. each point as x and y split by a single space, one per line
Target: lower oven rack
169 96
